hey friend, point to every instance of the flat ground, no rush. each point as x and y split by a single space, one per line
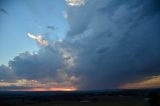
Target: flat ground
121 98
133 102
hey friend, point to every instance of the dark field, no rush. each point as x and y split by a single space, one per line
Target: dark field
79 98
124 102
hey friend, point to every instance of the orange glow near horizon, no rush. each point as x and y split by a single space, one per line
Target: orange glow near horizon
153 82
48 89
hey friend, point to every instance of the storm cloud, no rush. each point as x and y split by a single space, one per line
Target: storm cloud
110 43
118 41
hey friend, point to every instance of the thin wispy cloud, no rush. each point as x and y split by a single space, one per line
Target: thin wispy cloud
3 11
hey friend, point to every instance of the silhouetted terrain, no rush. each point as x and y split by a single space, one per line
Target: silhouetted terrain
79 98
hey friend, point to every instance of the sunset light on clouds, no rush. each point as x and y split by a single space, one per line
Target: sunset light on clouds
68 45
39 39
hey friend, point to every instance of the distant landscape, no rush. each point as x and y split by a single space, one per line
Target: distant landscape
78 98
79 52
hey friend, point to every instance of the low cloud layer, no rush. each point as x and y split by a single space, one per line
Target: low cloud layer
110 44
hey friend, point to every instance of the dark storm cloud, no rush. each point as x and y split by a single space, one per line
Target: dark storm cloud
118 41
49 67
38 66
6 74
12 87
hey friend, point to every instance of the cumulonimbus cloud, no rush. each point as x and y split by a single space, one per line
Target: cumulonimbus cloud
110 44
117 41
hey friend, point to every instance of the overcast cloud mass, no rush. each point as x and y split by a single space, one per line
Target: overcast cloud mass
109 44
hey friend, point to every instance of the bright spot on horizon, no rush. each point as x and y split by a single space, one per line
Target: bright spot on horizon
47 89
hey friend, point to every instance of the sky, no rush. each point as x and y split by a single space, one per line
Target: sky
50 45
23 16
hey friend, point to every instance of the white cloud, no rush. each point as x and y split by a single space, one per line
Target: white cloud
75 2
39 39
